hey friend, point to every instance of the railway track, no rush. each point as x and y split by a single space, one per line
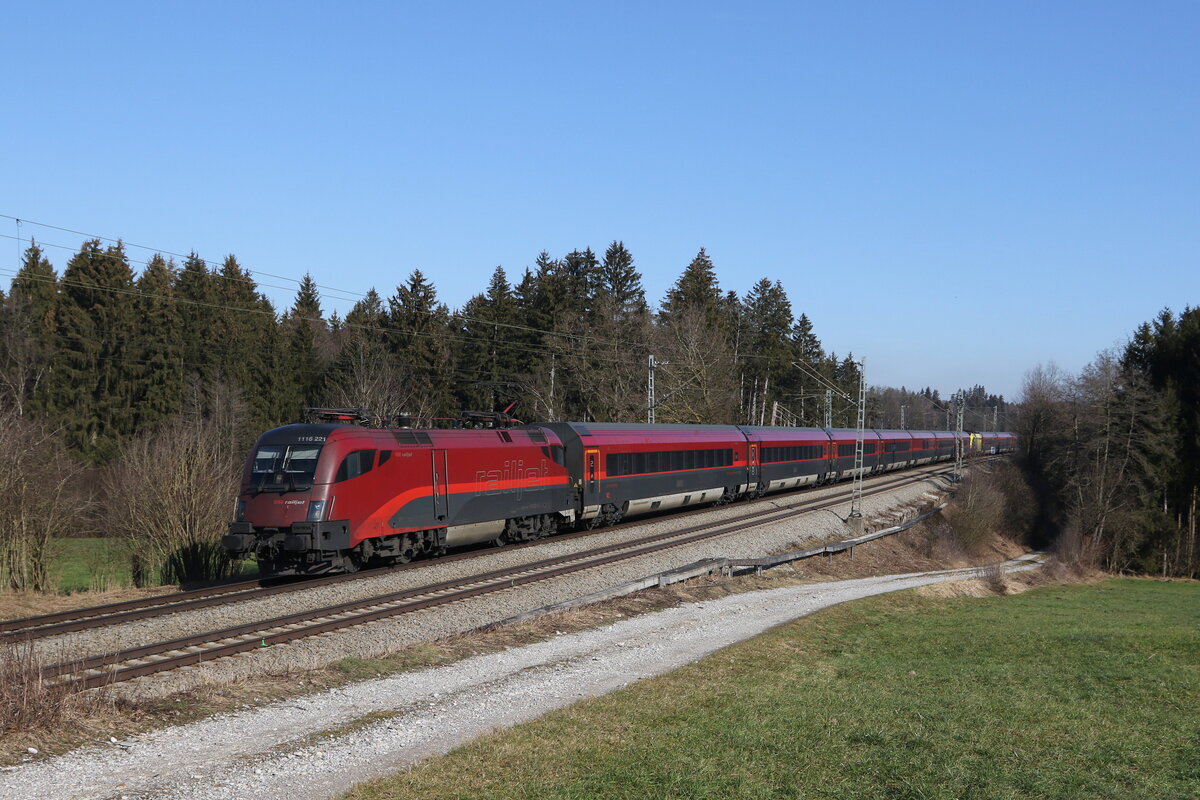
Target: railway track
80 619
203 647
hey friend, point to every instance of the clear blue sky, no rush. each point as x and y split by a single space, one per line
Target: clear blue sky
957 191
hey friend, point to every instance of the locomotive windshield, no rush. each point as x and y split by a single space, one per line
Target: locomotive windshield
284 467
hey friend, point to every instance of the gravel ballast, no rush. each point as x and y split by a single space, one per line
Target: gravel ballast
389 635
271 751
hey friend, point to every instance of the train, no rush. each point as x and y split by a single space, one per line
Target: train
338 495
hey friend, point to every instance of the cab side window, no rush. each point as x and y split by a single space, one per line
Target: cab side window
357 463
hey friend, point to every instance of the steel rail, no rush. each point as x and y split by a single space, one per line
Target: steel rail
286 628
86 618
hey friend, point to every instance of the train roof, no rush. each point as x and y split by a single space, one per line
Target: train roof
589 428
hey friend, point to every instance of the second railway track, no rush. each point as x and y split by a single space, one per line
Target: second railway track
205 647
88 618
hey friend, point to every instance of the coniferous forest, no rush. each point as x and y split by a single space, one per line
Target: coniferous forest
104 353
130 392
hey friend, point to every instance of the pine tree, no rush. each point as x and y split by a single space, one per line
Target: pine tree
305 329
276 395
697 287
530 340
805 344
36 286
620 282
158 387
197 298
581 270
420 345
29 331
239 340
487 351
91 389
768 322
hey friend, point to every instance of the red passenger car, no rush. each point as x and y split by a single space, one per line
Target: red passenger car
791 457
623 470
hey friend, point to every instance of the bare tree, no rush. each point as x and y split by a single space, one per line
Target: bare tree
544 393
23 361
1116 427
699 383
1042 415
367 378
170 495
40 502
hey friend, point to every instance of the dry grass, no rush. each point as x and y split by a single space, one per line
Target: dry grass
32 706
14 605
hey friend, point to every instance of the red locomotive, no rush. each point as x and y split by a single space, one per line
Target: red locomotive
338 496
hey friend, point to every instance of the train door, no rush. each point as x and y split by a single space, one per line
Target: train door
441 485
591 486
754 464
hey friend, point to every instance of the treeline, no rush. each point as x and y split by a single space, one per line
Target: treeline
103 354
1115 450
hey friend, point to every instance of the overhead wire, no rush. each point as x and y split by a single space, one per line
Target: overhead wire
352 294
449 333
212 272
162 251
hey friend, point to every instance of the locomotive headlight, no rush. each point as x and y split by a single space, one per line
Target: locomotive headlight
239 515
316 510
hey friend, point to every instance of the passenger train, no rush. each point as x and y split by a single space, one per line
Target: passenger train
336 496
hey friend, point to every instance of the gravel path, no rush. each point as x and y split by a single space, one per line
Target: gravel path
269 752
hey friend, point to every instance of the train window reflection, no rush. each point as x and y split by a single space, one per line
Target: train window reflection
282 462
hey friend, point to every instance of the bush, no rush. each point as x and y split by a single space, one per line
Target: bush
1077 552
997 502
170 494
38 500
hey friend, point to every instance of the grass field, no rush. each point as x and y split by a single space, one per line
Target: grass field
82 564
88 563
1063 692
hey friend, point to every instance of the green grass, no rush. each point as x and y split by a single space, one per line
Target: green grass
1079 692
88 563
80 564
